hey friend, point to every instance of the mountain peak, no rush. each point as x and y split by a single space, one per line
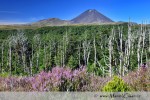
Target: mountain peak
91 16
91 10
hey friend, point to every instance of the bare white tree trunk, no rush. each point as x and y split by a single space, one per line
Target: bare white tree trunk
60 54
23 57
50 54
110 52
110 58
64 52
149 40
121 52
94 44
79 54
129 45
125 58
37 59
86 50
88 56
2 57
84 53
31 61
138 49
16 59
143 42
65 43
10 60
44 59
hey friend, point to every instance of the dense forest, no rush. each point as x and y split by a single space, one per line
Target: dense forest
104 50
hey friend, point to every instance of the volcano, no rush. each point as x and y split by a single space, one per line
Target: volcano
91 16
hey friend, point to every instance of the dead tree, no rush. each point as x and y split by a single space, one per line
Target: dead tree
129 46
110 48
86 51
121 51
38 55
65 44
79 54
149 40
139 47
44 59
2 64
10 58
31 61
37 42
143 32
94 45
50 54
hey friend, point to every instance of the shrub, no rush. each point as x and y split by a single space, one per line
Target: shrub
60 79
139 80
72 62
116 85
94 69
4 74
96 83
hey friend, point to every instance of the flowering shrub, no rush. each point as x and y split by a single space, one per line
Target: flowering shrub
58 79
65 79
15 84
96 83
139 80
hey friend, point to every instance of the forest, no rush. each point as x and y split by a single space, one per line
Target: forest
76 58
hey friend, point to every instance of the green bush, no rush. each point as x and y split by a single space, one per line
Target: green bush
116 85
94 69
72 62
4 74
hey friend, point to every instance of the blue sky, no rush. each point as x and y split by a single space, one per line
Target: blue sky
25 11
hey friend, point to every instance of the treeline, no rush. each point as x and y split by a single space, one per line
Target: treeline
104 50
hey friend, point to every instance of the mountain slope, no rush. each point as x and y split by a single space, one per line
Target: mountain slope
87 17
51 22
90 16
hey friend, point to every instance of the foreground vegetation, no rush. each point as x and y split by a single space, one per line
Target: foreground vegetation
30 58
65 79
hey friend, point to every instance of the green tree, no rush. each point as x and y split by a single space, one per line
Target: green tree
72 63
